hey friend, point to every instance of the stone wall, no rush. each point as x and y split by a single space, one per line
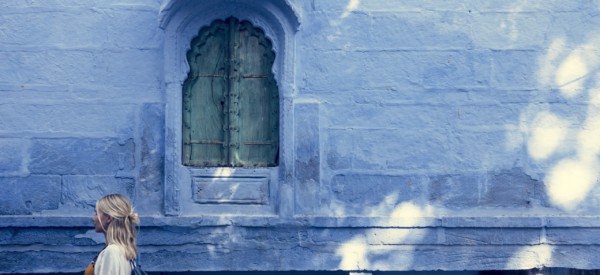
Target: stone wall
416 135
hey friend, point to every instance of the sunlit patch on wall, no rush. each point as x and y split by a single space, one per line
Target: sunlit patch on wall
589 142
547 62
569 182
531 257
223 172
384 207
571 74
354 254
338 23
595 95
573 69
352 6
547 132
514 138
589 136
360 253
410 210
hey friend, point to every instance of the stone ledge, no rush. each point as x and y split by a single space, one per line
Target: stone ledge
401 258
317 222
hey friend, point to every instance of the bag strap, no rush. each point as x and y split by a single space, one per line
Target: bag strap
136 268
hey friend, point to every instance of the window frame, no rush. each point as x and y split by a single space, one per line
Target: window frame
226 140
181 21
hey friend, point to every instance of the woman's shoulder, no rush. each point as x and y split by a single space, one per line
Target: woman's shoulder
112 261
113 249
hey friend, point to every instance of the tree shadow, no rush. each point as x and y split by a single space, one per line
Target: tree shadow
542 99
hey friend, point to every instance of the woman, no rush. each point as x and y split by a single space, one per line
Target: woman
115 218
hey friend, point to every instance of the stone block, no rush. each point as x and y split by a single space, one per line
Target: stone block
573 221
332 236
192 258
140 24
12 155
135 66
339 34
505 189
501 148
493 221
509 188
401 149
514 30
299 256
575 256
69 5
307 161
573 236
82 191
151 174
45 66
82 67
575 116
306 136
44 236
456 69
574 25
274 238
419 30
83 156
230 190
329 6
375 195
394 116
338 148
389 70
383 6
51 120
329 72
457 191
514 69
173 236
491 116
401 236
114 96
24 196
55 28
492 236
519 7
494 97
44 261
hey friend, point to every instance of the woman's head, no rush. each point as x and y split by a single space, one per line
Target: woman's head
117 220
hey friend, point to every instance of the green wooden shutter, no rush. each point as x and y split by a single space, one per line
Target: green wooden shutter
205 93
231 100
258 98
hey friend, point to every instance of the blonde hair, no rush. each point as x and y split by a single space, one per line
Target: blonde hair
121 230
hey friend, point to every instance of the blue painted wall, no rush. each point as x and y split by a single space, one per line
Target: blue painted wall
416 135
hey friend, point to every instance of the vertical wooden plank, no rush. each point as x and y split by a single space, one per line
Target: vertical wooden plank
234 92
258 98
205 98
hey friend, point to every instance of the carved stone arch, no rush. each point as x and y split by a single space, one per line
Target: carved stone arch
181 20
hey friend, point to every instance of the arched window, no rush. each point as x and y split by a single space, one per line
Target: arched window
230 98
226 113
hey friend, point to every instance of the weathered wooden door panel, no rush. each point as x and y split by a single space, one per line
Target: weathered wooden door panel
231 100
259 134
206 91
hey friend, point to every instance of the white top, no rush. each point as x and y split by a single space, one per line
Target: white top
112 261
